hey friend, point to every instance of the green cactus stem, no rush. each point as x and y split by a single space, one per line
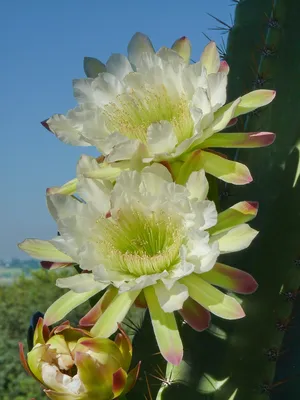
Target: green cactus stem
237 360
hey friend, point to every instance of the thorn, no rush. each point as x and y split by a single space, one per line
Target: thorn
268 388
222 50
160 370
268 51
273 23
290 296
161 376
265 388
284 381
297 262
225 194
148 386
132 325
255 113
207 37
163 380
272 354
225 28
282 326
260 81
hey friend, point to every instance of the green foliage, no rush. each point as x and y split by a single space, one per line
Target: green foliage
18 302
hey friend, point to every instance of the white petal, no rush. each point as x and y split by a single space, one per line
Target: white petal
202 254
95 193
139 44
85 164
153 185
89 122
201 101
124 149
172 299
207 262
236 239
54 378
82 90
196 114
183 268
88 252
106 87
63 206
68 243
119 66
126 186
197 185
80 283
193 77
221 120
136 81
106 275
161 137
197 244
217 84
142 282
158 170
65 130
98 91
149 62
170 56
205 214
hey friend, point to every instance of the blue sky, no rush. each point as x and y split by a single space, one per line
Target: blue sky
42 48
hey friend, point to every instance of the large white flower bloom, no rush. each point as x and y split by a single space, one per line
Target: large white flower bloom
160 107
147 237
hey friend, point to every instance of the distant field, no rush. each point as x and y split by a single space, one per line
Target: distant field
9 273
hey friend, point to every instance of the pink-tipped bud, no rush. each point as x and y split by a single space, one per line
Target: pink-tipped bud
183 47
224 67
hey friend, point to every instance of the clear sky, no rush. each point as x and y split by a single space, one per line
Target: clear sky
42 48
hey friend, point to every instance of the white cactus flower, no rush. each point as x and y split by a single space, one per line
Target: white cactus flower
147 237
160 107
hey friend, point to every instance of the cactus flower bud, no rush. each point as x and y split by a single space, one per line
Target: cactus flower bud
183 47
71 364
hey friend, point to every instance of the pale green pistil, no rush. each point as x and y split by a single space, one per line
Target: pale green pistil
133 113
139 244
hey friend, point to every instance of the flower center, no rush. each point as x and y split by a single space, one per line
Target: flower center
134 112
140 244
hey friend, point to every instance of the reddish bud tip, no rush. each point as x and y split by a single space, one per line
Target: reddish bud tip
45 125
254 204
46 264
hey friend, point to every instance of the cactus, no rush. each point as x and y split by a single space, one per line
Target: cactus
238 360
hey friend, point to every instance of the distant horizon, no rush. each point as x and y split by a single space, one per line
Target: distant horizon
43 50
17 259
